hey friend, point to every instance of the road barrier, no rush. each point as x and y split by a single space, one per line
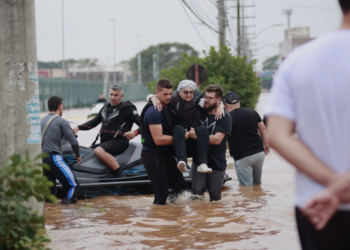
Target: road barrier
80 94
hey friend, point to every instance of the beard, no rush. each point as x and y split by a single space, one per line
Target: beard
210 107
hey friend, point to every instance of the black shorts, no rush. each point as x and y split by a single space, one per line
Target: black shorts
114 147
334 236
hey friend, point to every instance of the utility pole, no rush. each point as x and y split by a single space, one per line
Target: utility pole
157 62
114 73
154 66
288 12
19 86
239 39
222 22
139 59
63 71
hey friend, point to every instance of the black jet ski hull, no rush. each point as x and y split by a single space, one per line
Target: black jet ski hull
91 172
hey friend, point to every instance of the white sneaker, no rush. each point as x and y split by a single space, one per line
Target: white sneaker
203 168
181 165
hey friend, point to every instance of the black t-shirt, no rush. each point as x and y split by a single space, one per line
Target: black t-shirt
155 117
245 139
217 153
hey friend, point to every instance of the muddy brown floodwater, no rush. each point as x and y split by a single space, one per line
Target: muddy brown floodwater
258 217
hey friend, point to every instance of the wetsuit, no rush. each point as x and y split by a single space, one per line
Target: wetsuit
116 120
51 144
159 161
187 114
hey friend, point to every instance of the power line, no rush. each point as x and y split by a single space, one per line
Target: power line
198 16
193 25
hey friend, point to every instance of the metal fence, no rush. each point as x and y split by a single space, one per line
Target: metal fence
79 94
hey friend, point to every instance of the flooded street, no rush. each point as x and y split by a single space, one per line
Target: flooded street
259 217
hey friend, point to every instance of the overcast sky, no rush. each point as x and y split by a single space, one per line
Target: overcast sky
88 30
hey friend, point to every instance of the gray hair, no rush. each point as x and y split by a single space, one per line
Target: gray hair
117 87
186 83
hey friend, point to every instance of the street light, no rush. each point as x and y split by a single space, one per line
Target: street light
139 59
114 73
62 41
274 25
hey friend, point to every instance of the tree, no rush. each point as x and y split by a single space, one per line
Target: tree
230 72
271 63
170 54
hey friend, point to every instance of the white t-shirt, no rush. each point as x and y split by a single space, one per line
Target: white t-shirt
312 89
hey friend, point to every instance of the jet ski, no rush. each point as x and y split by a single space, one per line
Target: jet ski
95 110
92 173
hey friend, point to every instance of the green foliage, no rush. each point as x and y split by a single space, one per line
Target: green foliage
271 63
170 55
21 228
230 72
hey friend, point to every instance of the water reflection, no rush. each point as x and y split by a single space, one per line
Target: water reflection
133 222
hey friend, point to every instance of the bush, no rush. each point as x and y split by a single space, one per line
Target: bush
21 179
230 72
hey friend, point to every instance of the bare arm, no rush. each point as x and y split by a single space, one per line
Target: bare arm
158 137
220 112
263 134
216 139
295 151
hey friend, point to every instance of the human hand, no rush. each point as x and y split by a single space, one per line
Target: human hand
187 135
321 208
156 103
266 149
193 134
219 112
78 159
75 130
130 135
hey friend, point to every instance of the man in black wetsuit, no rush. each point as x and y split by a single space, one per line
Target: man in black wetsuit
116 117
157 155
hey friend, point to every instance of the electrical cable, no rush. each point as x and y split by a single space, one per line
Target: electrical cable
193 25
198 16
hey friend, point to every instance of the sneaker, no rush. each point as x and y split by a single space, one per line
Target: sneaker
181 165
203 168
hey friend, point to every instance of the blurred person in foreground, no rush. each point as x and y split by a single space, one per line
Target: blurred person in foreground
311 93
247 147
218 130
157 140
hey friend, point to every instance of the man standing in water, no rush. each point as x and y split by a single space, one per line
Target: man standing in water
116 117
218 130
315 104
53 129
157 139
247 147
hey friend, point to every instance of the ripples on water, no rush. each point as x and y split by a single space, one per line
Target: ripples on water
132 222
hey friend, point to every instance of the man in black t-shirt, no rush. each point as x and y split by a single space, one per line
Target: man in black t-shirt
247 147
218 130
156 152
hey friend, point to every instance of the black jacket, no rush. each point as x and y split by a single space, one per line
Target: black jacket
114 120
